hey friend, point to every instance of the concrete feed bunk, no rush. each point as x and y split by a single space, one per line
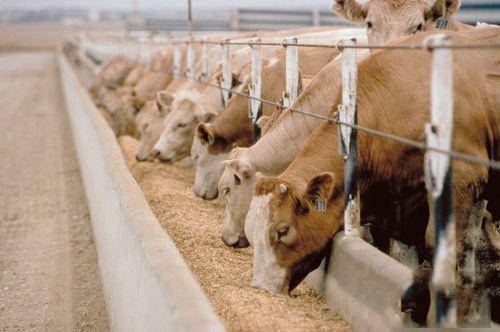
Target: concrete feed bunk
147 283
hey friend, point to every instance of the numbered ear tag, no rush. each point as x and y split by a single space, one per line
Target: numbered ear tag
320 204
442 22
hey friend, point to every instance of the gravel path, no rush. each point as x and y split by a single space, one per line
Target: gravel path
48 267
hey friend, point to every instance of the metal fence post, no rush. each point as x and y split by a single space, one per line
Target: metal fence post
177 58
129 49
438 176
143 51
255 109
137 50
166 50
292 72
205 71
190 58
227 74
316 18
348 144
235 20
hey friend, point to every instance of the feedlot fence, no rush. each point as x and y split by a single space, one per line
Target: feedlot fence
437 145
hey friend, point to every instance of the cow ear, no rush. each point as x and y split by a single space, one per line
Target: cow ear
350 10
164 99
242 168
443 8
205 133
206 117
236 80
320 189
217 77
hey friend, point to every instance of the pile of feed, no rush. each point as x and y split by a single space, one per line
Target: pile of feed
224 273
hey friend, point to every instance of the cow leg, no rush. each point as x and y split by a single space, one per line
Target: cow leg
406 255
417 297
472 266
469 183
492 265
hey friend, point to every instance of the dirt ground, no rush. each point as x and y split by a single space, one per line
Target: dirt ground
49 279
224 273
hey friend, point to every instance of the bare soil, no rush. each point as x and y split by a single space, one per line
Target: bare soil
49 279
224 273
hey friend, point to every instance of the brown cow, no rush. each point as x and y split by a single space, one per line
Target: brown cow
389 19
289 234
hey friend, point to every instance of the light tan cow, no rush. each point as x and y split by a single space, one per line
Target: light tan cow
135 75
149 124
129 100
289 232
110 75
389 19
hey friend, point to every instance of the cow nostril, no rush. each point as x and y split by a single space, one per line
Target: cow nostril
242 243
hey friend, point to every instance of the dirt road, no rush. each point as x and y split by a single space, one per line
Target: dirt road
48 268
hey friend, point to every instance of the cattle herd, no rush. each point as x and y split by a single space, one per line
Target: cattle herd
284 193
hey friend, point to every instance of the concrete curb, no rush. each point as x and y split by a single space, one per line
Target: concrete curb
147 285
363 285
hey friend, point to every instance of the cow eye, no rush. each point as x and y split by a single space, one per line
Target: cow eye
159 106
145 127
181 125
237 180
282 232
418 28
369 25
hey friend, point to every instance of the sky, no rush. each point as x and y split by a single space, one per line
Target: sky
164 4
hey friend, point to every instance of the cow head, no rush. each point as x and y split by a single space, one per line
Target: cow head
177 137
208 166
134 76
149 123
216 140
114 75
121 111
290 226
389 19
236 185
210 151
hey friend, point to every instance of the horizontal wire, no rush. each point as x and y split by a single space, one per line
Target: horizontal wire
339 46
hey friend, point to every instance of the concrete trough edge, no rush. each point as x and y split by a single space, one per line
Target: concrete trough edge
147 285
363 285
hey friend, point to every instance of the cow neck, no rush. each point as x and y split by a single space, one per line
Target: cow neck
274 152
319 155
455 25
233 125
